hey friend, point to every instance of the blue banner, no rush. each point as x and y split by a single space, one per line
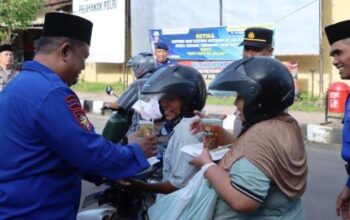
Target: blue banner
215 43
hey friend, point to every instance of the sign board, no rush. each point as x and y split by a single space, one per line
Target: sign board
209 50
214 43
108 34
209 69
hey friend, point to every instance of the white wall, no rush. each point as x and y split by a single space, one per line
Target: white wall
295 34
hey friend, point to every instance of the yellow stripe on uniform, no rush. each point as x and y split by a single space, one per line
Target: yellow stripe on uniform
259 40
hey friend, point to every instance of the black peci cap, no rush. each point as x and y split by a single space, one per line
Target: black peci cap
257 37
5 47
338 31
67 25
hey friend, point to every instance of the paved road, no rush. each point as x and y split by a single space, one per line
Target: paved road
325 179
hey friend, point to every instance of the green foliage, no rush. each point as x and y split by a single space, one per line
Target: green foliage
98 87
16 15
213 100
307 103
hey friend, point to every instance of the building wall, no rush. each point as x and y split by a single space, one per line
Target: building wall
106 73
337 10
308 73
333 11
309 81
327 14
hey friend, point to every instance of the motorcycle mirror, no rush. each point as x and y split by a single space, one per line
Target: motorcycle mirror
109 90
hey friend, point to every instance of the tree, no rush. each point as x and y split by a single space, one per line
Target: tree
16 15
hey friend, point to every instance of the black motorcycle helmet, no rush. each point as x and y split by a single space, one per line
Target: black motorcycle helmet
142 63
265 84
182 81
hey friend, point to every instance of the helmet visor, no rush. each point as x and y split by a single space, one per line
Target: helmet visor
222 93
234 81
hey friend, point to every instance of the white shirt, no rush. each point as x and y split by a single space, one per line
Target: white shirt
176 167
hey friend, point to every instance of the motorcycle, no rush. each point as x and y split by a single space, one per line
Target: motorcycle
119 122
116 201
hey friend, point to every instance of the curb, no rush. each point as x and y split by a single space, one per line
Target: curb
321 134
311 132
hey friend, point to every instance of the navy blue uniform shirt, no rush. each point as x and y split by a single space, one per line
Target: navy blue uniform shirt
345 152
47 143
168 62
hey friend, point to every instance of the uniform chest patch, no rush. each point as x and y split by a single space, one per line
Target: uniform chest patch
78 112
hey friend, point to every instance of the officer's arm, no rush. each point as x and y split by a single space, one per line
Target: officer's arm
67 131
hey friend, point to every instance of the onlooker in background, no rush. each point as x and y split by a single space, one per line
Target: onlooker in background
338 35
161 52
47 142
257 42
6 62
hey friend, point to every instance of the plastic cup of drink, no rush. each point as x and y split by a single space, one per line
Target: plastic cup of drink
146 128
212 128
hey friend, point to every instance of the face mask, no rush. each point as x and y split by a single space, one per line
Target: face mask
237 124
148 110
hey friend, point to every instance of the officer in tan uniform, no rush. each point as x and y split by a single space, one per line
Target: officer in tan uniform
6 61
257 42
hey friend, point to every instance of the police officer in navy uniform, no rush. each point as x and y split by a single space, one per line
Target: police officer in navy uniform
257 41
339 38
47 142
161 52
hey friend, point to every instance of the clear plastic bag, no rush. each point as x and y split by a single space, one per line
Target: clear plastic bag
195 201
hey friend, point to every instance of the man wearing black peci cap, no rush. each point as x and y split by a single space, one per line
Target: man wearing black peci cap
47 142
257 42
161 52
6 61
338 35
